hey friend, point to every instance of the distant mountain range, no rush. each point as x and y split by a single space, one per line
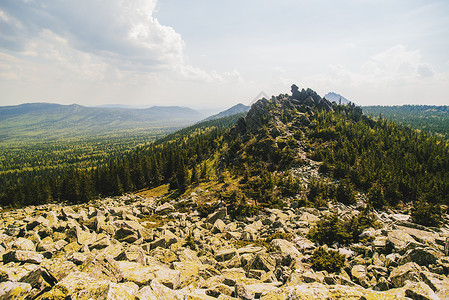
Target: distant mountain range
334 97
236 109
48 120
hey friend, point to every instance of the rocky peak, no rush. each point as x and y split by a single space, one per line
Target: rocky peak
283 108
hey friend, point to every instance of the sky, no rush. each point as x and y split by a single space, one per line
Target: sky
214 54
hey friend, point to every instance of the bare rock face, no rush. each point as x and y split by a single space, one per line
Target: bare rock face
107 250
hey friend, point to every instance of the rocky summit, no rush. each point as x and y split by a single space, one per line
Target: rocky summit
135 247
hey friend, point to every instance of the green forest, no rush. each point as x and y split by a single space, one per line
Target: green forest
252 159
431 119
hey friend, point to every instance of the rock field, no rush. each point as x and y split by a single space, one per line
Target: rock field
131 247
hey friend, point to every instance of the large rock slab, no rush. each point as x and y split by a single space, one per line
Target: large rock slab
285 247
14 290
408 272
23 257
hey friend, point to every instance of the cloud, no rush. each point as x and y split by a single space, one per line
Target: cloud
394 76
123 33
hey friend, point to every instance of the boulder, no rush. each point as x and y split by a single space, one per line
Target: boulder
399 238
219 226
438 283
225 254
265 262
359 275
23 244
407 272
285 247
135 272
14 290
221 214
421 256
419 290
23 257
164 208
127 235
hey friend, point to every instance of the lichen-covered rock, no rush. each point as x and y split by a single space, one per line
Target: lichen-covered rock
23 257
14 290
407 272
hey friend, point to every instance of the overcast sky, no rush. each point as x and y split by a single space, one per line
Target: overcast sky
215 53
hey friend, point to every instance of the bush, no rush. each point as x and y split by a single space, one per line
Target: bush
330 230
333 230
426 214
328 260
345 192
376 196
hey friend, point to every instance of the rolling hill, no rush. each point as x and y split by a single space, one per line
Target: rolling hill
47 121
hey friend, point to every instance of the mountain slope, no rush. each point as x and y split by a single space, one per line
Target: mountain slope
51 121
236 109
334 97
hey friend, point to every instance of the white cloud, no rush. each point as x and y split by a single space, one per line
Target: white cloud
61 47
394 76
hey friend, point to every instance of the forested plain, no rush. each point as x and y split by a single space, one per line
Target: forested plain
428 118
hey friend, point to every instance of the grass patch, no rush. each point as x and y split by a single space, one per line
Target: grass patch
264 242
155 221
154 192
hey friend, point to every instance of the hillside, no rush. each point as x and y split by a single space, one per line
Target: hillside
236 109
337 98
298 198
46 121
431 119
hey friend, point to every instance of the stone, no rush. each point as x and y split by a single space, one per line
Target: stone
422 257
23 244
40 280
419 290
359 275
40 220
255 291
168 277
221 214
137 273
23 257
285 247
225 254
132 253
219 226
77 258
164 208
59 268
438 283
127 235
263 262
399 238
14 290
15 271
146 293
407 272
102 242
161 291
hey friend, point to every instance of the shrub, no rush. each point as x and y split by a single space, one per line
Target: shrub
345 192
330 230
426 214
206 209
376 196
328 260
333 230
